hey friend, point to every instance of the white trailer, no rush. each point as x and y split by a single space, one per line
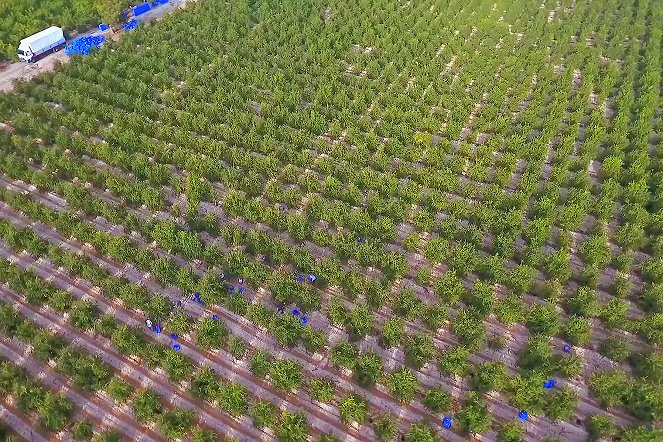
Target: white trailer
41 43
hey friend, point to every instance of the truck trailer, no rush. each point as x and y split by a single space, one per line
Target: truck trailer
35 46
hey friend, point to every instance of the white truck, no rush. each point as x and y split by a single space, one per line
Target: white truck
41 43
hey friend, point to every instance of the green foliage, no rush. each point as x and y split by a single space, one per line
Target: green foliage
454 362
82 430
54 411
490 376
419 349
200 435
510 432
205 384
449 288
174 424
344 354
402 384
146 406
118 389
474 417
353 408
321 389
263 414
601 426
543 319
112 435
286 375
538 355
359 322
385 427
233 398
615 348
368 369
392 331
437 400
561 405
578 331
584 303
420 432
570 366
260 363
469 328
292 427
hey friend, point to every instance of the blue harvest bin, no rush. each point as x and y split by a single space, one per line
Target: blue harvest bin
130 25
84 44
103 27
141 9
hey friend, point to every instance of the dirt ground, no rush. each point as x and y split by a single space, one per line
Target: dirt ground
21 70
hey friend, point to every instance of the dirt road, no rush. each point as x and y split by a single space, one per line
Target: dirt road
25 71
21 70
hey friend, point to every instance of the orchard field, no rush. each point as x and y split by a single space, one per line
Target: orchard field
340 220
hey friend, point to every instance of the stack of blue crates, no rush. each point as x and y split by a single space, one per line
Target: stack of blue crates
84 44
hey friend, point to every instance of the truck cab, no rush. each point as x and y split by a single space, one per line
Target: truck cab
24 52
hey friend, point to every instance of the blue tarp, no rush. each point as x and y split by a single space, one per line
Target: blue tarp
141 9
83 44
131 25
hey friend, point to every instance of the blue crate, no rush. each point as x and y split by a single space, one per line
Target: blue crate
131 25
84 44
141 9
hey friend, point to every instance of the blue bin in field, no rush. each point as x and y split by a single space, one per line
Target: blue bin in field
141 9
154 4
84 44
103 27
131 25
